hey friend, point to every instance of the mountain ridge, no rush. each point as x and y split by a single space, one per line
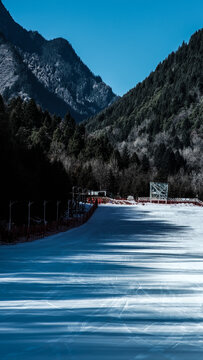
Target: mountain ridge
183 80
58 68
16 79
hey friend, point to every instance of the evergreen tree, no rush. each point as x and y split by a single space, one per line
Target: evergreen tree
32 115
145 164
135 159
125 157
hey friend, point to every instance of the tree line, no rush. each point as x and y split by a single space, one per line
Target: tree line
43 156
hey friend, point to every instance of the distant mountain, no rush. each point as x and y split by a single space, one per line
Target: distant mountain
17 80
49 71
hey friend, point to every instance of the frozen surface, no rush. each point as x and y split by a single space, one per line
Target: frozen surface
127 285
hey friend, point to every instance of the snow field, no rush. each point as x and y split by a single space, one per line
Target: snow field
126 285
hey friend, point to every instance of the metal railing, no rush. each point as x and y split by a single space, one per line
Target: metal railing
24 233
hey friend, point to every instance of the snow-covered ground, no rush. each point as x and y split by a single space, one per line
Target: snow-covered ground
126 285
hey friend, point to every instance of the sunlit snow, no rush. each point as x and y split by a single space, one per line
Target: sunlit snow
126 285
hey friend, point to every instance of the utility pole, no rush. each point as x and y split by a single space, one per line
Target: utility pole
29 206
84 191
74 198
73 188
85 195
45 203
57 211
28 222
10 215
79 198
69 202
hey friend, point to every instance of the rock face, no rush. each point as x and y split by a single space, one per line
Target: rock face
53 68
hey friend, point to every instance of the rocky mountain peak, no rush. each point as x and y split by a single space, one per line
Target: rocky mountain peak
56 66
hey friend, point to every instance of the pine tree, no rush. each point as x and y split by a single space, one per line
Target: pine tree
125 157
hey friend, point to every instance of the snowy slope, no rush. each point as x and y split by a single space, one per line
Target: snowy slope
127 285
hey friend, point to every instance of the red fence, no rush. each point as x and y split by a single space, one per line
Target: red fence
100 200
107 200
22 233
194 201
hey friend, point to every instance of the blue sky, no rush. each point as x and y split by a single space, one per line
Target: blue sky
120 40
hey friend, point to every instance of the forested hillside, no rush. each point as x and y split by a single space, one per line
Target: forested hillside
161 119
43 156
